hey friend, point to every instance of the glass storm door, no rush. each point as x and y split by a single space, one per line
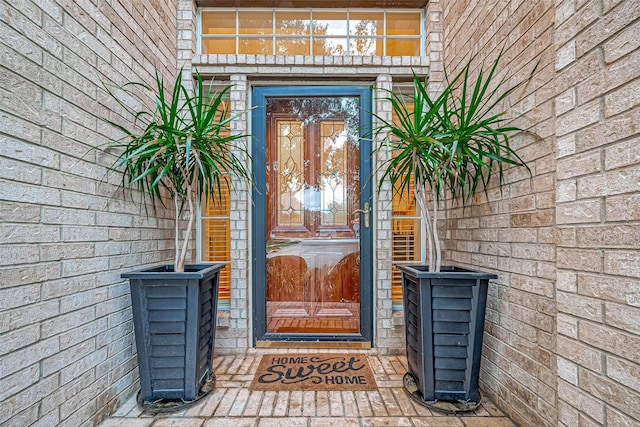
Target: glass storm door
312 217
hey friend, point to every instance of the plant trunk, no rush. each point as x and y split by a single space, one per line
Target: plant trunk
422 203
436 236
179 266
176 240
181 250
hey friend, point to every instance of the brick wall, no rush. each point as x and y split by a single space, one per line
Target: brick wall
512 231
598 193
563 322
389 330
66 234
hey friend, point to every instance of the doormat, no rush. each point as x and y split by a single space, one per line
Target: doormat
314 372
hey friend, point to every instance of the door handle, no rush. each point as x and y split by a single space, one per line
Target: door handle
364 211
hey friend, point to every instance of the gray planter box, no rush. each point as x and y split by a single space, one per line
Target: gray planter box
174 316
444 321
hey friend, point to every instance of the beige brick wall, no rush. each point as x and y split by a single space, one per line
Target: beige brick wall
598 169
563 322
512 231
389 330
66 344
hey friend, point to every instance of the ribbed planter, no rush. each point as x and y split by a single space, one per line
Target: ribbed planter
174 316
444 326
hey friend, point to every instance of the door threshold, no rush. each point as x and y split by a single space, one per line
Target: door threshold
313 344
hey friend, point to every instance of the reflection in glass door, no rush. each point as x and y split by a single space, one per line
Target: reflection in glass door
314 217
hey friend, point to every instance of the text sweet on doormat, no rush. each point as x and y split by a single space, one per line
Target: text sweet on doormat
313 372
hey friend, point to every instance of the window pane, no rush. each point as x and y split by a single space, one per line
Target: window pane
293 47
256 46
293 28
365 47
330 23
400 47
292 23
329 47
219 45
216 241
216 247
290 173
219 23
403 24
366 24
255 22
406 232
333 173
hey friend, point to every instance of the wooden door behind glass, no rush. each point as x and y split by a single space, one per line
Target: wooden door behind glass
312 224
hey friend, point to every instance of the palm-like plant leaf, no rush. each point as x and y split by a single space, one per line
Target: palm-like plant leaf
451 143
185 147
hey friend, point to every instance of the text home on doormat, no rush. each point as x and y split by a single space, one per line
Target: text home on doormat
313 372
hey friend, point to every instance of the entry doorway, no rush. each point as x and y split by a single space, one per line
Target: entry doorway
312 219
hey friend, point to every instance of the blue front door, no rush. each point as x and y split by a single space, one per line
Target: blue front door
312 219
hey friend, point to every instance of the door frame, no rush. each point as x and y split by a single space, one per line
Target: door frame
258 218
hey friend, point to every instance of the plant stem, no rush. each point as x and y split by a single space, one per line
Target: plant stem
185 244
177 232
422 203
436 237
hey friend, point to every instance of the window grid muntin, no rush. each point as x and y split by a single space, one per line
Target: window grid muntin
348 36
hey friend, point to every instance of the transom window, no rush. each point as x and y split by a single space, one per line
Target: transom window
318 32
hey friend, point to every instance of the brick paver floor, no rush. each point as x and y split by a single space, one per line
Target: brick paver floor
232 404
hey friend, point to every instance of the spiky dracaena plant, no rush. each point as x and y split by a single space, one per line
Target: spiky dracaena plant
182 147
446 146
